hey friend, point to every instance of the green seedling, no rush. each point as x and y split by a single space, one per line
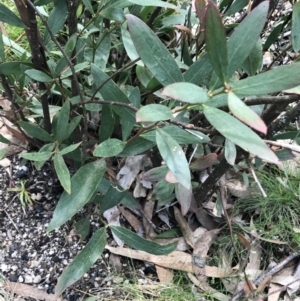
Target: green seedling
23 194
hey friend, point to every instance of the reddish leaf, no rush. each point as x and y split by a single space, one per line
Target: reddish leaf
204 162
245 114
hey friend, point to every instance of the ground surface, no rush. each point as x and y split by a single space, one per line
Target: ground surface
30 255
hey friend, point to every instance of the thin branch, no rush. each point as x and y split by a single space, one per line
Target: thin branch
256 179
295 148
284 120
113 75
111 103
59 47
272 99
267 274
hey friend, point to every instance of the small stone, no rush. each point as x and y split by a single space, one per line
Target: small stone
24 256
28 279
13 278
55 259
4 267
20 279
37 279
14 267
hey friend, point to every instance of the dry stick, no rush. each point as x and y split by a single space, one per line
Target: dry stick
295 148
267 274
228 221
256 179
76 82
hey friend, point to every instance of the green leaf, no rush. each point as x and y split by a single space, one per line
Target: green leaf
2 50
245 114
253 63
216 44
136 146
109 148
174 157
7 16
157 3
82 227
153 52
2 153
56 19
186 92
63 173
237 6
69 148
72 125
156 174
276 80
230 152
83 185
245 36
35 131
102 52
43 156
143 75
136 242
273 36
68 72
38 76
163 191
112 197
10 68
4 140
296 27
107 123
180 135
239 134
82 262
112 92
62 122
200 70
128 44
45 148
153 112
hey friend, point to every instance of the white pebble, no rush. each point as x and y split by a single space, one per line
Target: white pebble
37 279
28 279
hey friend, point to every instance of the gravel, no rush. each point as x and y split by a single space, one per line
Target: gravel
30 255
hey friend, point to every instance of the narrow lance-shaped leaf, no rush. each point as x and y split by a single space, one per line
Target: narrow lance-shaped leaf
43 156
239 134
82 262
245 36
184 197
153 112
276 80
153 52
215 39
186 92
174 157
35 131
83 185
230 152
296 27
136 242
245 114
109 148
62 172
7 16
38 76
